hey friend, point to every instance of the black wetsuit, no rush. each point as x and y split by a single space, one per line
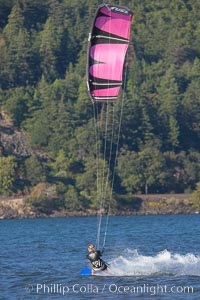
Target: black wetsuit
96 261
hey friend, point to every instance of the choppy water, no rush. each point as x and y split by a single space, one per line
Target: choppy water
150 257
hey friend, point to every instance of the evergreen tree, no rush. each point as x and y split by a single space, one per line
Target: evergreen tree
18 54
17 105
142 171
169 99
191 116
196 197
7 174
35 172
43 54
49 44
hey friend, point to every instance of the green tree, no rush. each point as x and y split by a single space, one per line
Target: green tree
60 165
7 174
19 57
71 201
17 105
182 171
142 171
65 167
3 64
191 116
52 50
127 170
83 105
196 197
192 169
169 99
5 8
35 172
94 183
15 22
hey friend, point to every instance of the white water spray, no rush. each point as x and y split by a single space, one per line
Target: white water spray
131 263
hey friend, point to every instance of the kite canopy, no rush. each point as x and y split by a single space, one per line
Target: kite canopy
108 44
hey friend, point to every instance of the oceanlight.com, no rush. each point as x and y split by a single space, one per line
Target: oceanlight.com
107 288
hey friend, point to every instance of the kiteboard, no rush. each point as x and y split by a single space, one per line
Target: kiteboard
88 272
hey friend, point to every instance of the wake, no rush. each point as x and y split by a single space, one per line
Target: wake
131 263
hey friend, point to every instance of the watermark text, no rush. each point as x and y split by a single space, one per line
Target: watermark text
112 288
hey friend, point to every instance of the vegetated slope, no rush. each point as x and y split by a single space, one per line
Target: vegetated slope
43 47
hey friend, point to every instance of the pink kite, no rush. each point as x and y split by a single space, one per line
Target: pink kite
108 44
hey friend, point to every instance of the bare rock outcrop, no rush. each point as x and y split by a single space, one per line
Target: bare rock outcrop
16 142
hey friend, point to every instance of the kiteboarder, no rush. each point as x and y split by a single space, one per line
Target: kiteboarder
95 258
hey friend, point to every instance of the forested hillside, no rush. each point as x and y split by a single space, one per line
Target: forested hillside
43 45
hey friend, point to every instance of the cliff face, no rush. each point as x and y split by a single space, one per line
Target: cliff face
147 205
14 141
160 204
15 209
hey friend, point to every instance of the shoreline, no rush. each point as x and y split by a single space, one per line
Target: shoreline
165 204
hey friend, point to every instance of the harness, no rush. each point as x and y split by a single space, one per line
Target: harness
96 261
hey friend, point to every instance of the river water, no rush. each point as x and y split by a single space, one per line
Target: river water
150 257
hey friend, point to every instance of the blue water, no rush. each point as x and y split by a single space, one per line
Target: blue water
150 257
